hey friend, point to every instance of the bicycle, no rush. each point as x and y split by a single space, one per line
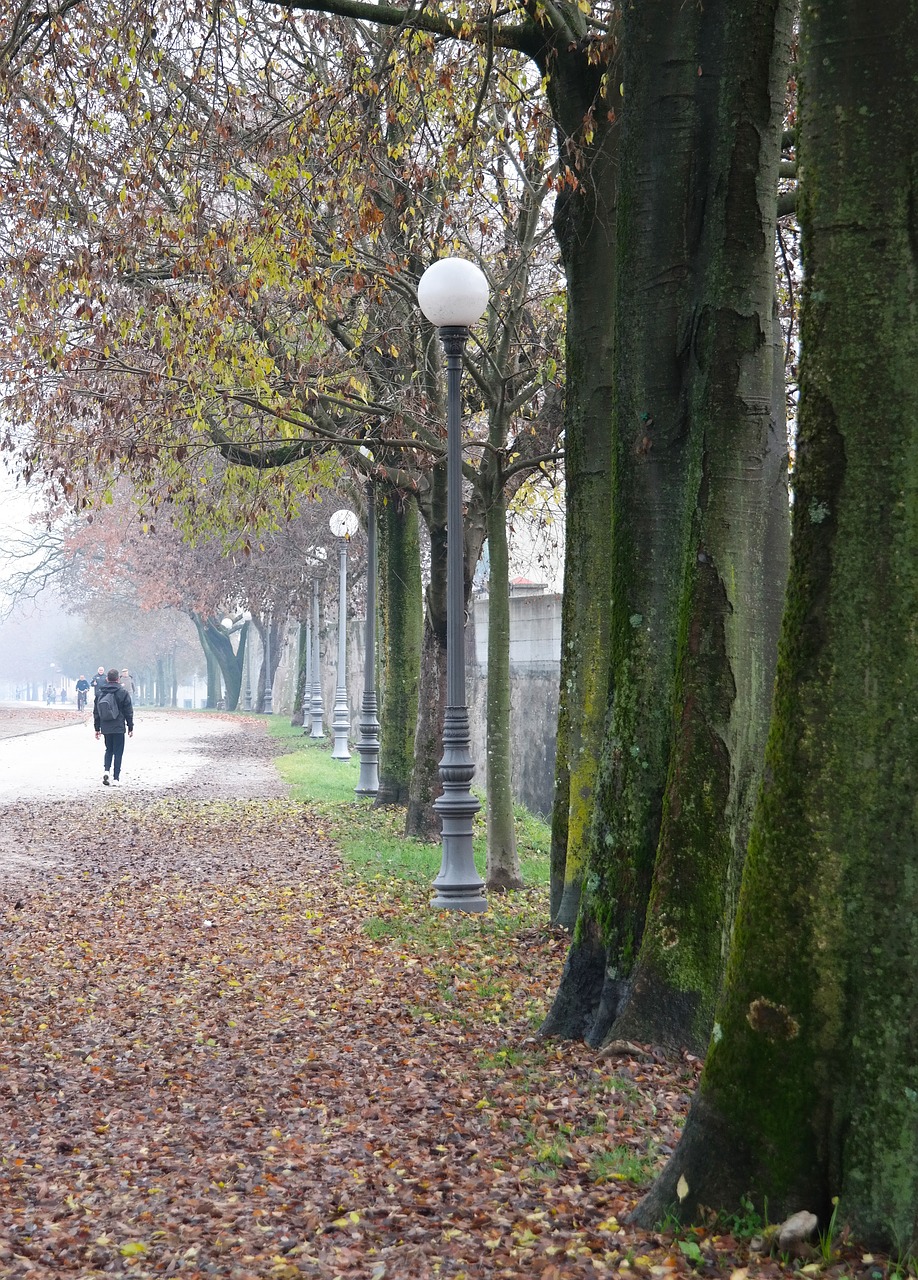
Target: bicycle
81 699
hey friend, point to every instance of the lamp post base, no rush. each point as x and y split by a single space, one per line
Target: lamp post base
315 707
458 886
341 724
368 747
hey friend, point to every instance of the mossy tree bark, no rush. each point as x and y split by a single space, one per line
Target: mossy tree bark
503 864
698 498
421 820
401 621
810 1089
583 86
298 713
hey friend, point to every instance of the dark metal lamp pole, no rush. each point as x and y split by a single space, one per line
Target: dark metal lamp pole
368 744
316 558
453 295
344 526
269 682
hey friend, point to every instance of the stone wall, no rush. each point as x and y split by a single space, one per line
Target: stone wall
535 655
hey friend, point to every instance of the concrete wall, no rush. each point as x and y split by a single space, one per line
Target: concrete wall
535 653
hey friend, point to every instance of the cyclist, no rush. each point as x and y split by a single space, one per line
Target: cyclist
82 688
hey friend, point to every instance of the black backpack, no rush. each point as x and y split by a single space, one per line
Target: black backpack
108 705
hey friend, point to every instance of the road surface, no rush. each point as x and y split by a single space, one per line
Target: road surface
54 755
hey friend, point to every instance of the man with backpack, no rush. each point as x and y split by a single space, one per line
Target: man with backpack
112 716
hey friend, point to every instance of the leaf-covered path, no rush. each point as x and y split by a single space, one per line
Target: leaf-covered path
223 1055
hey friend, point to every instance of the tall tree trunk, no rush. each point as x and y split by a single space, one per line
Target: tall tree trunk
218 648
699 463
401 612
810 1089
581 91
269 633
421 820
214 682
302 670
503 869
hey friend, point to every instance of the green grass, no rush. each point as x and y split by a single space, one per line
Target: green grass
372 840
621 1164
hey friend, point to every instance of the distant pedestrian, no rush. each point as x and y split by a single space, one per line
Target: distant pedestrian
98 678
126 682
112 716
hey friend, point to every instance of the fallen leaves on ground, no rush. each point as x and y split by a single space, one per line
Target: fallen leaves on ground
223 1055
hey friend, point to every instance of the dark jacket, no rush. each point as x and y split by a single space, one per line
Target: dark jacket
125 720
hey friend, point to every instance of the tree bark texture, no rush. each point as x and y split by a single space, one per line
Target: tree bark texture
421 819
810 1089
503 864
699 494
401 623
579 90
297 716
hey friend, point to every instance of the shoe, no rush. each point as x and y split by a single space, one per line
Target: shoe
116 782
104 779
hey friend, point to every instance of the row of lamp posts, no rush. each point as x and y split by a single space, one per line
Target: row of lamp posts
453 295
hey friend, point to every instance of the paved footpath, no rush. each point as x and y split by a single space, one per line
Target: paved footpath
55 755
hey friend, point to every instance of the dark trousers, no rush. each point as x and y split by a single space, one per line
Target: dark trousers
114 750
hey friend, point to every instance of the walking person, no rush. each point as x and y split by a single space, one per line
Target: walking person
112 717
127 682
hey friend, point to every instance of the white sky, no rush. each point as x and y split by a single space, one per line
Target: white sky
15 502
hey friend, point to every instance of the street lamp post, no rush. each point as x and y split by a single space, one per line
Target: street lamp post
315 702
368 744
453 295
344 526
307 677
269 686
247 661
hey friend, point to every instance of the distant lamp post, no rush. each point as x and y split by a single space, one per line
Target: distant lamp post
316 557
307 676
269 683
368 744
222 689
343 525
453 295
247 662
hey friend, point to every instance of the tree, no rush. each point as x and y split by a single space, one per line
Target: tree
401 612
809 1090
698 516
278 326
